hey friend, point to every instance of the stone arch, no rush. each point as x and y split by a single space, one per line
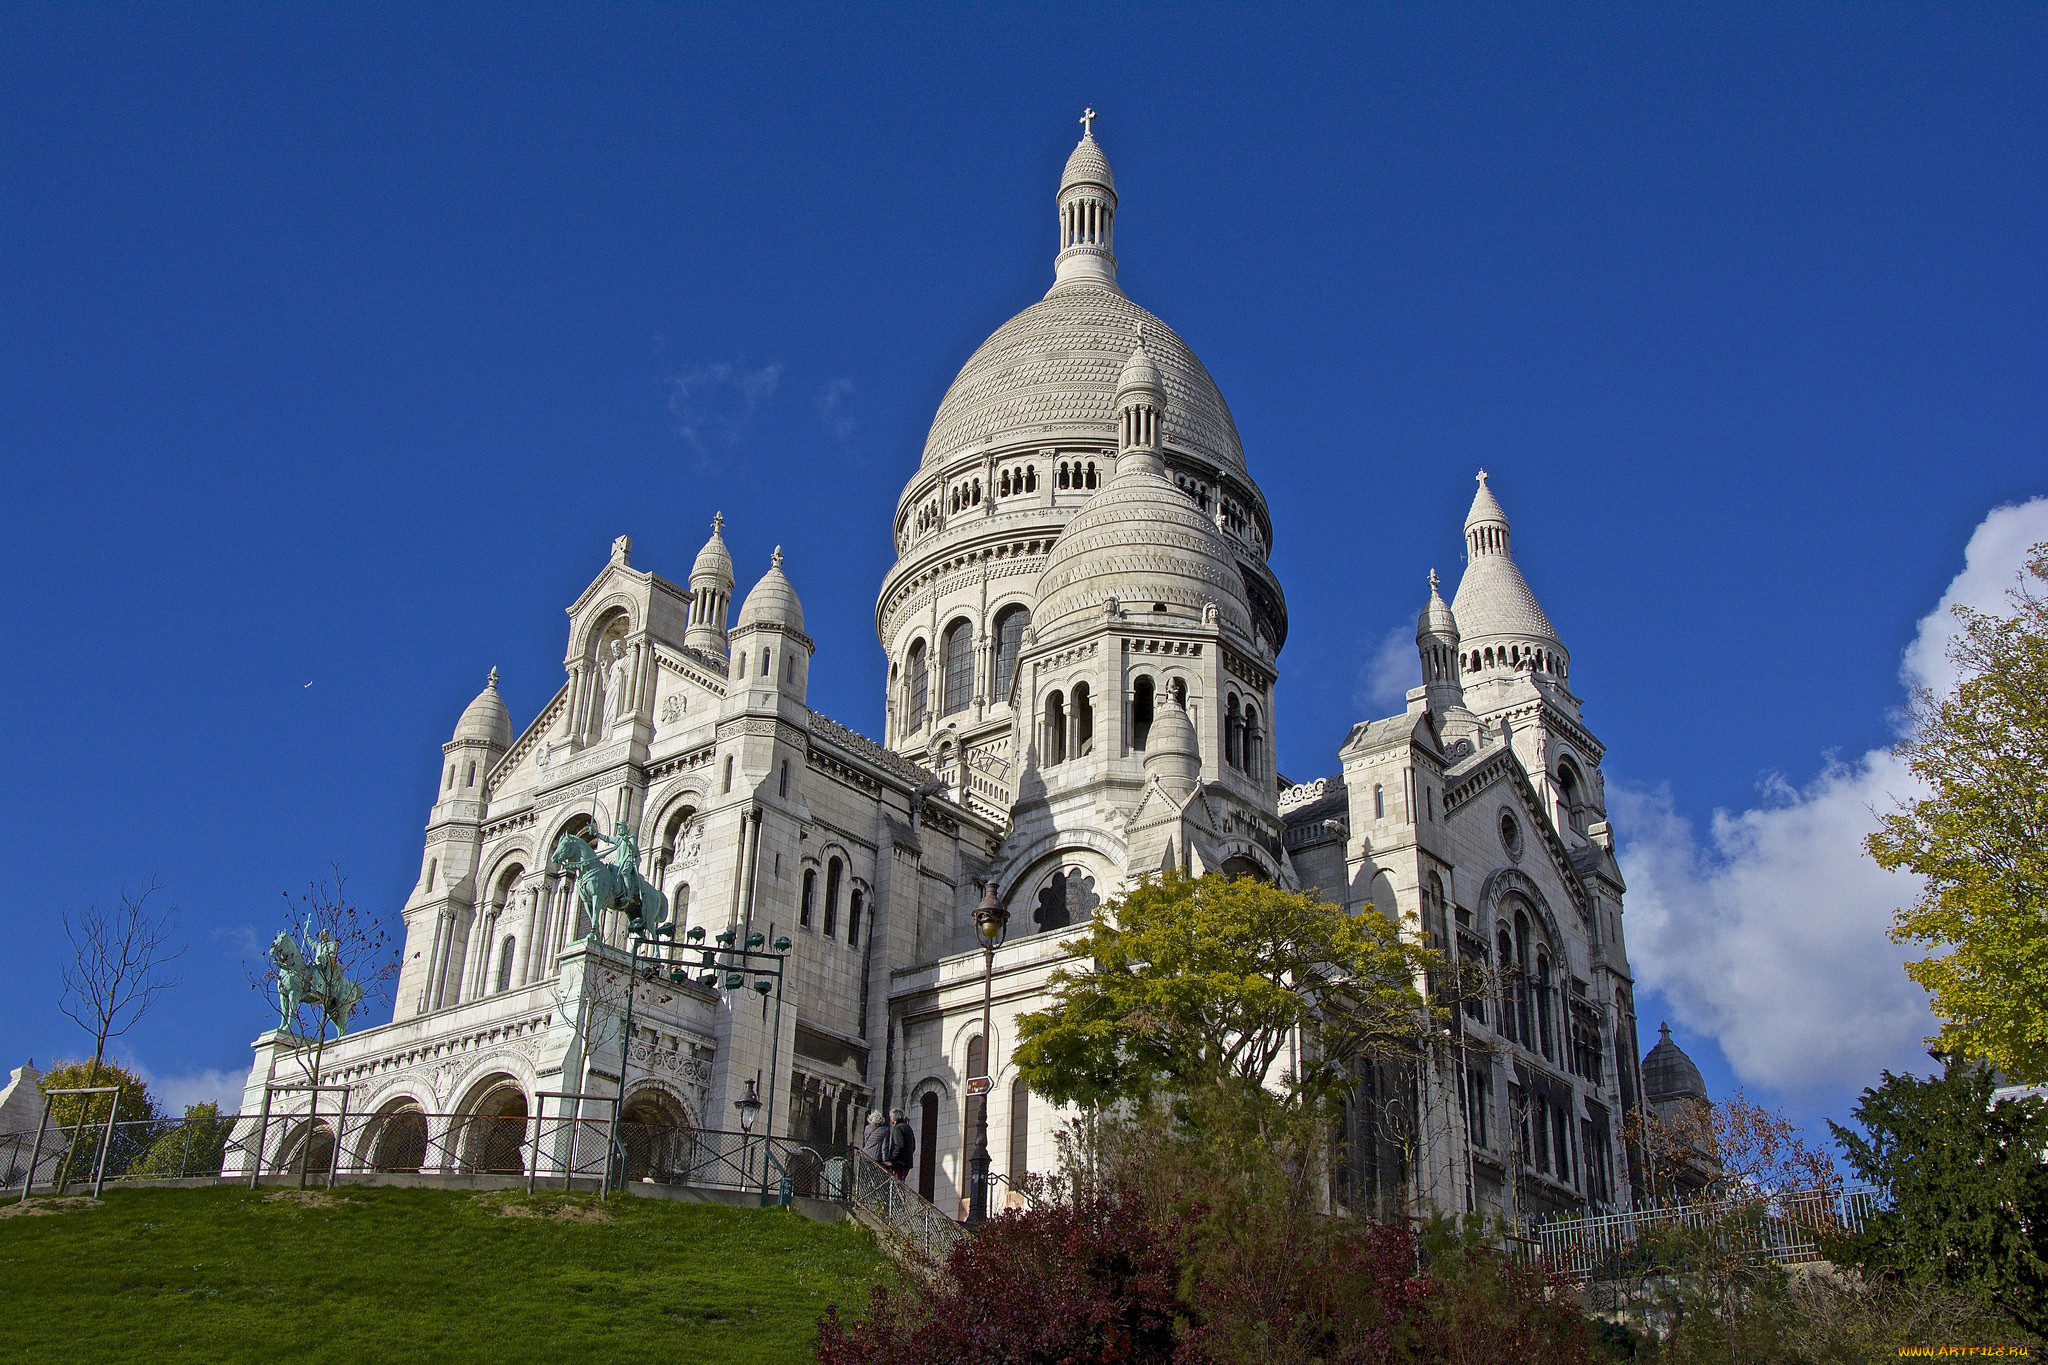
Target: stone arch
307 1148
602 618
397 1137
1030 861
1507 881
490 1136
657 1137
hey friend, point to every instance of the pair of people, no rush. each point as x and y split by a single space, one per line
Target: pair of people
889 1144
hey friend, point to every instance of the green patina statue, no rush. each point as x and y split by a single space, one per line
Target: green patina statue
616 885
317 980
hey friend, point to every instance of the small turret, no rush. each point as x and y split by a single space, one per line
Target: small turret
1436 640
1502 630
1140 404
1171 752
769 647
481 738
710 593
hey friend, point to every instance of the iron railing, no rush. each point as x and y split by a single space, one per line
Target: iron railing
1786 1229
544 1150
903 1213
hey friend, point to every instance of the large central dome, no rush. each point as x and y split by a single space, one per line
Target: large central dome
1053 369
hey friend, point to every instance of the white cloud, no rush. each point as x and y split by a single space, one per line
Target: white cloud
714 405
834 402
1389 671
175 1093
1771 937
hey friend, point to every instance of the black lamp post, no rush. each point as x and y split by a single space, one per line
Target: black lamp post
749 1105
991 921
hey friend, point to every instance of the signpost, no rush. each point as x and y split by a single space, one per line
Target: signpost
977 1085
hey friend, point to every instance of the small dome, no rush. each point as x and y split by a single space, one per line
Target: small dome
773 601
1171 753
714 561
1436 618
1142 541
1668 1074
1088 166
1486 509
1141 375
486 718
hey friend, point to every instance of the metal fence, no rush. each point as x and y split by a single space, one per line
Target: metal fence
906 1215
1787 1229
548 1150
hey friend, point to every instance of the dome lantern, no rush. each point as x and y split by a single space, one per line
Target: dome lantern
1140 406
711 585
1087 214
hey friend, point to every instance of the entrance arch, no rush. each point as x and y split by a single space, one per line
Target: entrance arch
493 1129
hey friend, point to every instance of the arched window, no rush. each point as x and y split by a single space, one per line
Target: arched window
1020 1130
928 1145
1522 1028
450 785
1506 957
977 1105
1177 689
433 866
1543 1029
1379 802
1571 795
1254 743
1052 744
918 681
1011 623
1031 478
767 660
505 964
810 895
957 655
1084 722
728 774
1233 733
739 664
833 871
1141 712
470 781
854 904
785 777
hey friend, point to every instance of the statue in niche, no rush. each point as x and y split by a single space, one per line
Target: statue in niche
615 685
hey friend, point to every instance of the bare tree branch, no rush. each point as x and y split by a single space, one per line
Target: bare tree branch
117 969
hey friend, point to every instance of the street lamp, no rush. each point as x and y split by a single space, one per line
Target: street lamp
749 1105
991 921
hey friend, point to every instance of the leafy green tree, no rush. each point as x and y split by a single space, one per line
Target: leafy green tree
1969 1189
194 1147
1204 983
1980 838
81 1118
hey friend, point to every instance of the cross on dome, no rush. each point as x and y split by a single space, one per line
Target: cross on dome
775 560
717 522
1088 117
1432 580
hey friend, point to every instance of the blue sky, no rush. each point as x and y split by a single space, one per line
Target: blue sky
337 344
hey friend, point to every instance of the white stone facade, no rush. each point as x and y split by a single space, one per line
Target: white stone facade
1083 634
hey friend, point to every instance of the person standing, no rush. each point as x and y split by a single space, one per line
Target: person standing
902 1145
874 1143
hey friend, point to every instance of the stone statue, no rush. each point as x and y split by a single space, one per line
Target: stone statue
615 685
318 981
602 886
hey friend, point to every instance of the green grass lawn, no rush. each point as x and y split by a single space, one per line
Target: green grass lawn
377 1275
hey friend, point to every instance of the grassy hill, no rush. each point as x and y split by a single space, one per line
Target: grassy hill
390 1275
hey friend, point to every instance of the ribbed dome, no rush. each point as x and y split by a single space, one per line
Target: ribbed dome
1668 1074
1494 599
1054 368
1088 166
714 560
1142 541
486 718
773 601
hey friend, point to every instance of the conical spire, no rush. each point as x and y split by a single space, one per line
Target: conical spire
1498 617
486 718
1087 216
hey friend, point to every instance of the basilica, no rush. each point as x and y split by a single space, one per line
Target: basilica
1084 638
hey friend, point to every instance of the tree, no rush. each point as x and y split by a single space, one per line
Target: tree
195 1147
1968 1185
82 1117
363 951
1206 982
1980 838
117 969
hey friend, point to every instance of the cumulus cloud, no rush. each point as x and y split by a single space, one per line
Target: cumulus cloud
1770 934
835 403
178 1092
1391 667
714 405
